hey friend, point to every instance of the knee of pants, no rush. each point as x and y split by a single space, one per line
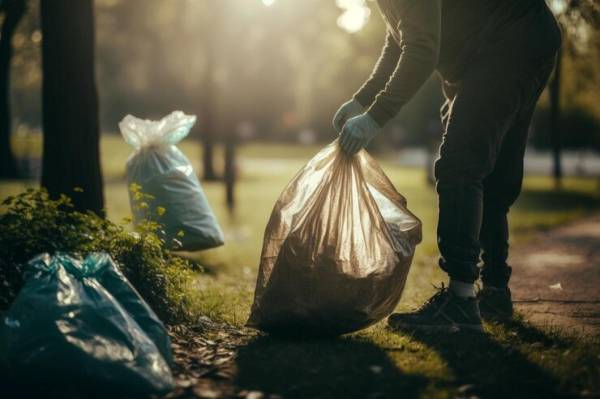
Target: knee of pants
462 168
501 195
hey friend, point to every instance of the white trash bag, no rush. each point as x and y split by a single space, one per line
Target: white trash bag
165 173
337 249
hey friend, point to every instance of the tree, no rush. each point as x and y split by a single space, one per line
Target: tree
13 12
579 20
209 104
71 157
555 121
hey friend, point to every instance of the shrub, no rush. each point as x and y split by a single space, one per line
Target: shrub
32 223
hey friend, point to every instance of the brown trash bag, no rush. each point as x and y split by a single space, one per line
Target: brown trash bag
336 251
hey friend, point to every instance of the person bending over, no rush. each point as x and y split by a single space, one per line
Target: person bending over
494 58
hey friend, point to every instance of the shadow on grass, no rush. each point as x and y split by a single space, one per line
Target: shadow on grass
546 200
497 367
332 368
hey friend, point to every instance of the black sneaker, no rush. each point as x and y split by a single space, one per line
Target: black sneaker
442 312
495 303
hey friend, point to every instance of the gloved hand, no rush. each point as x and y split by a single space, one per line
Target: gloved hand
357 133
347 110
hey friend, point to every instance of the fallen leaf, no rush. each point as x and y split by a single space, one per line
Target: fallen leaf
466 389
255 395
206 393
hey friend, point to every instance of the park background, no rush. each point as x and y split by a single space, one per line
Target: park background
264 78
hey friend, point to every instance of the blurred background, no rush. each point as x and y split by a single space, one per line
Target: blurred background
265 78
276 71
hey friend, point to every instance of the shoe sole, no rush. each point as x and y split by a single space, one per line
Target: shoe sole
436 328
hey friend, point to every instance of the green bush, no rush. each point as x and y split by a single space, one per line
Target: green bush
32 223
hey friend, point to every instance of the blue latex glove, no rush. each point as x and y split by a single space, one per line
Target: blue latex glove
357 133
348 110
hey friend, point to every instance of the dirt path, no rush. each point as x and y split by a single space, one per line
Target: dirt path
556 277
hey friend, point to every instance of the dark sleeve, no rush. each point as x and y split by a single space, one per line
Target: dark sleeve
390 54
420 29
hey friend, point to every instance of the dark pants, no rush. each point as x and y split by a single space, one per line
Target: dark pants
480 169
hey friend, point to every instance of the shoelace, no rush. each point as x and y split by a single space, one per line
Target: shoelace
441 291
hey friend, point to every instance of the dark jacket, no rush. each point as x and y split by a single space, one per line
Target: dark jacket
449 36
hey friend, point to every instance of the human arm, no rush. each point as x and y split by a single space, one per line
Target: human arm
385 66
421 31
364 97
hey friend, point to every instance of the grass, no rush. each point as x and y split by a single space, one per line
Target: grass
514 360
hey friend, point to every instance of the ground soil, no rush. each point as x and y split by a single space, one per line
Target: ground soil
556 277
556 283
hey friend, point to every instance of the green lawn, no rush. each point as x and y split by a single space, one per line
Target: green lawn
515 358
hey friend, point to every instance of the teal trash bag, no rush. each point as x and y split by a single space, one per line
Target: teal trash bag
115 282
164 173
81 321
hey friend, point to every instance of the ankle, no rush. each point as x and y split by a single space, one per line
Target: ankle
462 289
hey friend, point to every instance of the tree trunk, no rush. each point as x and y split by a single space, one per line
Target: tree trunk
14 11
209 116
212 29
230 170
71 163
555 122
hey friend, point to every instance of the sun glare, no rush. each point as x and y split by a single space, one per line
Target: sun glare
268 3
558 6
355 16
